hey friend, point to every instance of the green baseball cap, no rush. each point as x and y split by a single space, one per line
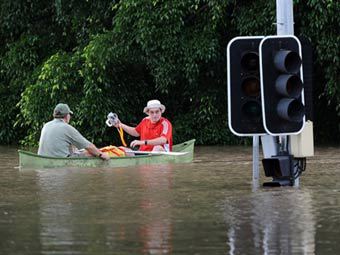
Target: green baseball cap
61 110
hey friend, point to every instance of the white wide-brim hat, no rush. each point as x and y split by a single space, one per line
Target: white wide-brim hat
154 104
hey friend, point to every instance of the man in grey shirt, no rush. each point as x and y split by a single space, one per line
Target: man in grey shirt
58 138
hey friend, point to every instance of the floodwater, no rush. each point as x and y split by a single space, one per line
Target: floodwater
210 206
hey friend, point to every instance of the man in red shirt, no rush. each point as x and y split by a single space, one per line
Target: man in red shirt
154 131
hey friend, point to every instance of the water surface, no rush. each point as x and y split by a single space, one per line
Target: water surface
209 206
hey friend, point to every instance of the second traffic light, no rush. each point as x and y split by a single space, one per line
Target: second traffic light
244 100
281 85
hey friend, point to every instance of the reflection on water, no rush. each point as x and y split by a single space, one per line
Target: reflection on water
157 230
271 224
206 207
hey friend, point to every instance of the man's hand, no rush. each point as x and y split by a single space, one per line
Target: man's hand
135 143
118 124
105 156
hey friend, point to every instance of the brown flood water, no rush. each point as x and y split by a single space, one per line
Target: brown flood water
206 207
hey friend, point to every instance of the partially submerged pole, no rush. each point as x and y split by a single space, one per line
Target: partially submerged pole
256 175
285 26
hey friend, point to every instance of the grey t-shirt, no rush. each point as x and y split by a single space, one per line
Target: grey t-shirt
58 138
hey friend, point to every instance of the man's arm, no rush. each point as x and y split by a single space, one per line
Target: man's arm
94 151
130 130
156 141
81 142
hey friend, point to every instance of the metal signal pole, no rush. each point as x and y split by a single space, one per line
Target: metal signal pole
285 26
284 17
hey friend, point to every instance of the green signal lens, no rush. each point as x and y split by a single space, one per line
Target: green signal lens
252 109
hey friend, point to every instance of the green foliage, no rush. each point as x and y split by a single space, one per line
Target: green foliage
16 65
180 44
84 80
113 82
102 56
319 21
204 121
255 18
77 20
175 37
57 81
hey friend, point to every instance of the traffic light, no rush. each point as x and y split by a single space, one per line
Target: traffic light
244 100
281 168
281 85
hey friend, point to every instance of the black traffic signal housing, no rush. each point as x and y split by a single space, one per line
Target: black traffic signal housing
244 99
281 168
281 85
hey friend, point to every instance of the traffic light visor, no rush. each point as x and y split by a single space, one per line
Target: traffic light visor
289 85
287 61
291 109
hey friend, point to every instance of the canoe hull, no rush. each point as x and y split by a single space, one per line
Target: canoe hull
29 160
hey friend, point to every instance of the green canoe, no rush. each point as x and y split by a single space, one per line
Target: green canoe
29 160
